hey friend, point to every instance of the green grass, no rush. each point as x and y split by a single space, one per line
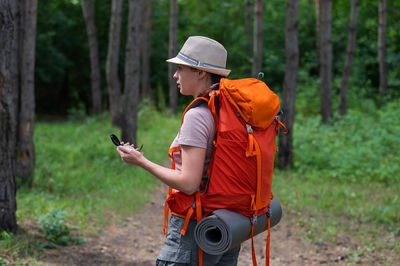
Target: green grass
79 171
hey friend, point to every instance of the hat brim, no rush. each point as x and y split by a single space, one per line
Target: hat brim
218 71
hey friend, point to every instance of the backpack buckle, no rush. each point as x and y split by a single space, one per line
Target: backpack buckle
249 129
254 220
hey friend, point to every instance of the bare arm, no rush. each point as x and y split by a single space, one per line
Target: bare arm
186 180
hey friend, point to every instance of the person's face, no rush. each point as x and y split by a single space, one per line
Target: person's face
187 80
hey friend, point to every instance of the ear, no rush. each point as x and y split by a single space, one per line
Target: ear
202 74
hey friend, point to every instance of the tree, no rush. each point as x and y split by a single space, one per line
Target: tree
95 78
382 48
325 11
132 71
172 51
258 36
351 43
248 25
317 20
26 150
9 43
146 43
285 156
112 77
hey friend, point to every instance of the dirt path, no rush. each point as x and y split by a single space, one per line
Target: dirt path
139 242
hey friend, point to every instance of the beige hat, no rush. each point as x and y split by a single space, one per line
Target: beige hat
203 53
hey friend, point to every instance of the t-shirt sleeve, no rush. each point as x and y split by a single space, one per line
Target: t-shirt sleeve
197 128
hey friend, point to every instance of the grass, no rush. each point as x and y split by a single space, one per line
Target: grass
345 183
79 171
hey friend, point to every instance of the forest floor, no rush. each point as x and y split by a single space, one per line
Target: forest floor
139 241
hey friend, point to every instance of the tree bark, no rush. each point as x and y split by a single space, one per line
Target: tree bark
382 48
88 13
317 27
26 150
249 33
326 60
132 71
112 76
9 44
285 156
172 51
351 43
146 89
258 37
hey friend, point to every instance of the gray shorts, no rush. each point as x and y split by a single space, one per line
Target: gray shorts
181 250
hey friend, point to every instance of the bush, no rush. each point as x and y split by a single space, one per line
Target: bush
55 229
360 147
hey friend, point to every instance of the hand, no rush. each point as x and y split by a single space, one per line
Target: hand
129 154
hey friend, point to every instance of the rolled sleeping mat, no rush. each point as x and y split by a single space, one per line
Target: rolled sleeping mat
224 230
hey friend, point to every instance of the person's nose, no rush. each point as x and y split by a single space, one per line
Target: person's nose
175 76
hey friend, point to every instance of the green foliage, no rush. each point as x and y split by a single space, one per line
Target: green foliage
360 147
4 235
62 56
54 228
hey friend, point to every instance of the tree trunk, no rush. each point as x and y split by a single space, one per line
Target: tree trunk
9 40
132 72
317 26
112 76
146 89
285 156
248 26
88 13
172 51
258 37
26 151
382 48
351 43
326 60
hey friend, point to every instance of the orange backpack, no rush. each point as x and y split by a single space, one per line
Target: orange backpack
240 171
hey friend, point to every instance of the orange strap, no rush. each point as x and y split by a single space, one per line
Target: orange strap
268 241
187 219
259 204
250 151
199 217
170 190
253 252
281 125
166 211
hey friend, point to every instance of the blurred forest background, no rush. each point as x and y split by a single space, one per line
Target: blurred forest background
72 72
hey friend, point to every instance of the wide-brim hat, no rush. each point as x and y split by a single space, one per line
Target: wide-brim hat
203 53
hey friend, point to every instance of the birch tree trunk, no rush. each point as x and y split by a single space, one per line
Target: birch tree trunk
351 43
285 156
325 60
258 36
382 48
112 63
9 83
172 51
88 13
132 72
26 150
146 89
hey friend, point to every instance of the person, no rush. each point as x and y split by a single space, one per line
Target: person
201 62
